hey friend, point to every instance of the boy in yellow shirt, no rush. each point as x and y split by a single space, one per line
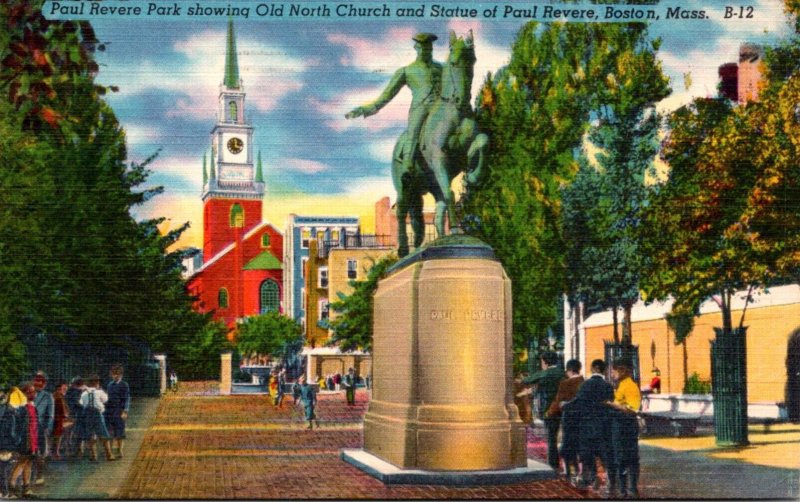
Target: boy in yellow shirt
625 428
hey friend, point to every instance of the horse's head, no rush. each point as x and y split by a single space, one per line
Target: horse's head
462 49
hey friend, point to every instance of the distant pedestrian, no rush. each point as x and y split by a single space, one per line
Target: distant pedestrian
93 401
595 426
173 381
349 383
117 407
570 425
59 418
281 385
28 430
547 381
296 392
337 380
45 414
309 398
625 427
368 381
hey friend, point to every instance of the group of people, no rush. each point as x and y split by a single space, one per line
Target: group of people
598 422
37 425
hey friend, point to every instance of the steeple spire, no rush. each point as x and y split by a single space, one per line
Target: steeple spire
259 170
205 172
231 80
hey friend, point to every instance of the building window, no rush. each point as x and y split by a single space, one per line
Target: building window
322 281
324 310
320 236
222 298
303 262
303 299
264 240
305 236
237 216
352 269
232 111
270 296
335 235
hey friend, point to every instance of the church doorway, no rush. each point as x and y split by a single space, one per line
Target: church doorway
793 376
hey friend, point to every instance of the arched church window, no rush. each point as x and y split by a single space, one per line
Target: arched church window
232 111
222 298
237 216
270 296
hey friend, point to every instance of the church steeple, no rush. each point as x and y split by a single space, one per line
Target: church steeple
231 80
205 171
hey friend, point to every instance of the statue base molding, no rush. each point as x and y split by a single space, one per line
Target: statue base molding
393 475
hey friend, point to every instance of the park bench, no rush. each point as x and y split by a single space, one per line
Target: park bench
670 423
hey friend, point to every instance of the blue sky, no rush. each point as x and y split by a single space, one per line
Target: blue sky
302 76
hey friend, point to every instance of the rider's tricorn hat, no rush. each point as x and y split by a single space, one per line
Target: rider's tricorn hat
424 38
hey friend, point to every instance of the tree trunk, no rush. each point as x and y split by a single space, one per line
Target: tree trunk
627 334
616 326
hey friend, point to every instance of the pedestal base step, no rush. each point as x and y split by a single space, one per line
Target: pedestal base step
392 475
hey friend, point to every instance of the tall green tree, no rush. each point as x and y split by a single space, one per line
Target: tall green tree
77 262
537 112
352 326
624 129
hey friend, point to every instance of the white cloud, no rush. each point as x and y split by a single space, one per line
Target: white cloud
302 165
200 75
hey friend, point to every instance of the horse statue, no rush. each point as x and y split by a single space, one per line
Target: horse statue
449 143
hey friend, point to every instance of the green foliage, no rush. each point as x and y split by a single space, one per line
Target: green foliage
72 258
537 112
43 63
696 386
352 327
198 357
270 334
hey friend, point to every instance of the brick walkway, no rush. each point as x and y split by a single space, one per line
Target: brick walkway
240 447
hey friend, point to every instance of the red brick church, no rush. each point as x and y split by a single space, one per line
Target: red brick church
241 271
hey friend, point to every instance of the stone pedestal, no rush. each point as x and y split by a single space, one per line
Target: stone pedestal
442 360
225 373
162 372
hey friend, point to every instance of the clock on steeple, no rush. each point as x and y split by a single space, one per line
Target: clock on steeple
233 182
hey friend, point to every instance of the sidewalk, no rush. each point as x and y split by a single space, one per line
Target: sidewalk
241 447
200 445
81 479
694 467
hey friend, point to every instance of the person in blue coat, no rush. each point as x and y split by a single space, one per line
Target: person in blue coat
309 398
117 407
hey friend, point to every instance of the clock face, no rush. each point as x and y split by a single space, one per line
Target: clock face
235 145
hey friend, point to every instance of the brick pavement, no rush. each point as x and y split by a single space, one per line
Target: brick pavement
241 447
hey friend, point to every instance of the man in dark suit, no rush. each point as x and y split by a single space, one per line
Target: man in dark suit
547 381
595 426
570 424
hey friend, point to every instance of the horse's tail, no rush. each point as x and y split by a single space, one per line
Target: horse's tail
476 148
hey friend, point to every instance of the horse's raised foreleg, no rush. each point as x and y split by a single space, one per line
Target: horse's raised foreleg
475 158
